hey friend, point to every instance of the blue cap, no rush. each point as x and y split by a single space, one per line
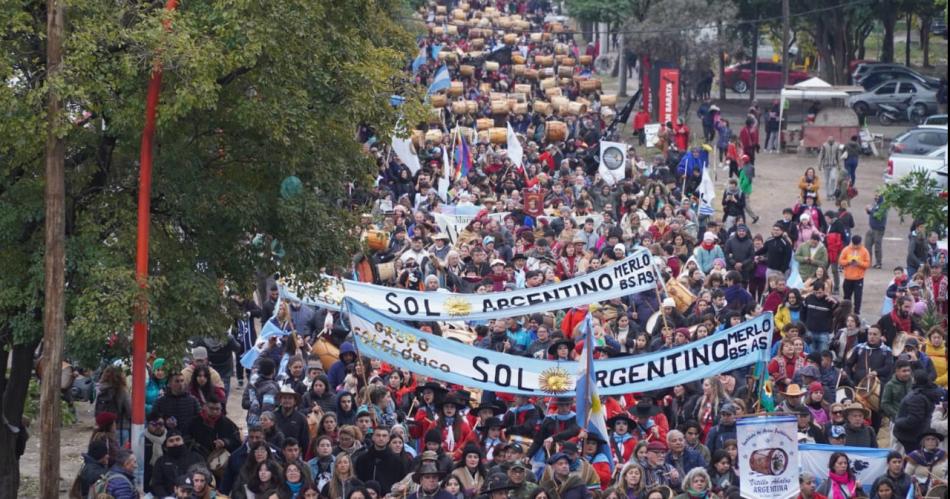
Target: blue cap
557 457
487 239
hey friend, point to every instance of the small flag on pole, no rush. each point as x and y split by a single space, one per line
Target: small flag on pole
441 81
590 412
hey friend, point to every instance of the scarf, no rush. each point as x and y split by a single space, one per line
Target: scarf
927 458
698 494
900 324
842 486
708 246
294 488
157 442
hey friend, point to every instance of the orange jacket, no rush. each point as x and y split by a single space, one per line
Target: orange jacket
857 254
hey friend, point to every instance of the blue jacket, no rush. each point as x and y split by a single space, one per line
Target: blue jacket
688 163
705 258
718 435
121 484
338 369
690 459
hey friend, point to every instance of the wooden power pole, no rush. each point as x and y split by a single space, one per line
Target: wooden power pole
786 36
54 259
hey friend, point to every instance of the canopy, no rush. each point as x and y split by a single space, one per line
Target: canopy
814 89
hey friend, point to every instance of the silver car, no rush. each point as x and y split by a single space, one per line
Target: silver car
895 92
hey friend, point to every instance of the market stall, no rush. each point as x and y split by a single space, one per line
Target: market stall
822 111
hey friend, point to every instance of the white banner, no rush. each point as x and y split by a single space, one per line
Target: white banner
768 457
866 463
405 347
613 162
403 150
651 130
632 275
515 151
453 224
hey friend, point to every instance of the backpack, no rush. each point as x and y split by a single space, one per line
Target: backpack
106 402
102 484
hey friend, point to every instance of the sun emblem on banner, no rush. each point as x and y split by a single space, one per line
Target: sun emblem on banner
555 380
458 307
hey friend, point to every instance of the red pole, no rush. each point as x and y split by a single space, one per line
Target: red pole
139 328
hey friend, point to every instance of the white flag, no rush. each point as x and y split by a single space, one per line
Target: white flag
707 193
613 162
768 457
403 150
515 151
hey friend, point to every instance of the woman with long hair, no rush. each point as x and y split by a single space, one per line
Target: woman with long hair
349 441
112 395
202 388
258 452
706 409
630 481
841 482
321 460
790 310
849 334
296 478
345 409
342 481
397 444
319 394
567 262
470 470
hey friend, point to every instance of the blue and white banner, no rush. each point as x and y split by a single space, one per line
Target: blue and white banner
390 341
768 457
633 274
866 463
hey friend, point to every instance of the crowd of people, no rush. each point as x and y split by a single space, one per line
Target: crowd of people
357 428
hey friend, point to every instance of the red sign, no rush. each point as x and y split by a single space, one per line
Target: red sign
534 203
669 97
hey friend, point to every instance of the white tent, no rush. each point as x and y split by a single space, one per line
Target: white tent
814 89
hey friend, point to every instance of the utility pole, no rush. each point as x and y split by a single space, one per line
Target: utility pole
786 35
622 65
54 258
755 60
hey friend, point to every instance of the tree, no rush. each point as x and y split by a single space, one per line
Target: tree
253 92
913 196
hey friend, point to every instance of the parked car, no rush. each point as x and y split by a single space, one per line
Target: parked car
934 163
921 140
937 119
739 76
894 93
879 73
939 27
860 68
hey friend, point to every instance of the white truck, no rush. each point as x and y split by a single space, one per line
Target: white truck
935 163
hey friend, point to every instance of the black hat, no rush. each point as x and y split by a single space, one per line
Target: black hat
433 435
453 399
493 423
436 388
97 449
427 468
930 432
646 409
184 482
593 437
497 482
569 447
552 350
497 407
623 416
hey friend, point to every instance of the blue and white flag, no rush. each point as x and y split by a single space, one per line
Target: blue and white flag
405 347
435 50
867 463
590 412
707 193
271 328
419 61
441 81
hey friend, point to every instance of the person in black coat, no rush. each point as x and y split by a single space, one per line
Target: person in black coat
913 416
176 403
289 420
175 460
557 427
95 464
378 462
789 224
740 254
777 250
213 430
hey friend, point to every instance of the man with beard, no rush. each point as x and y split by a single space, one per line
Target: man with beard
872 358
740 253
900 319
212 430
175 461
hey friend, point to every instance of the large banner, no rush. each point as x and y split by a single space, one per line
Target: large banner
669 95
866 463
634 274
768 457
454 362
453 223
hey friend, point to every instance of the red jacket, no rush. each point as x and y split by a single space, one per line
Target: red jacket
749 138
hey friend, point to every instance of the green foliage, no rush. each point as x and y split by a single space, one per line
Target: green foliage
253 92
914 196
32 409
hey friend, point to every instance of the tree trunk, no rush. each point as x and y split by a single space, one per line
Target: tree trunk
755 61
888 21
622 65
722 64
910 23
925 39
54 263
14 400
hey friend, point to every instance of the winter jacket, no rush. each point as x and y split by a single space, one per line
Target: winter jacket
205 433
807 269
688 460
866 358
90 472
381 465
913 416
153 390
337 371
705 258
184 408
778 253
740 250
166 471
855 261
293 425
817 313
894 391
917 251
121 484
865 436
326 402
717 436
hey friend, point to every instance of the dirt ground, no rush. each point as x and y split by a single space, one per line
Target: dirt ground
775 188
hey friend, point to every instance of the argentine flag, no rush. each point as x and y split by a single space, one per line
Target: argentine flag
419 60
441 81
590 412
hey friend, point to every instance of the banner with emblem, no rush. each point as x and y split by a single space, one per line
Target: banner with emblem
405 347
768 457
867 463
633 274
